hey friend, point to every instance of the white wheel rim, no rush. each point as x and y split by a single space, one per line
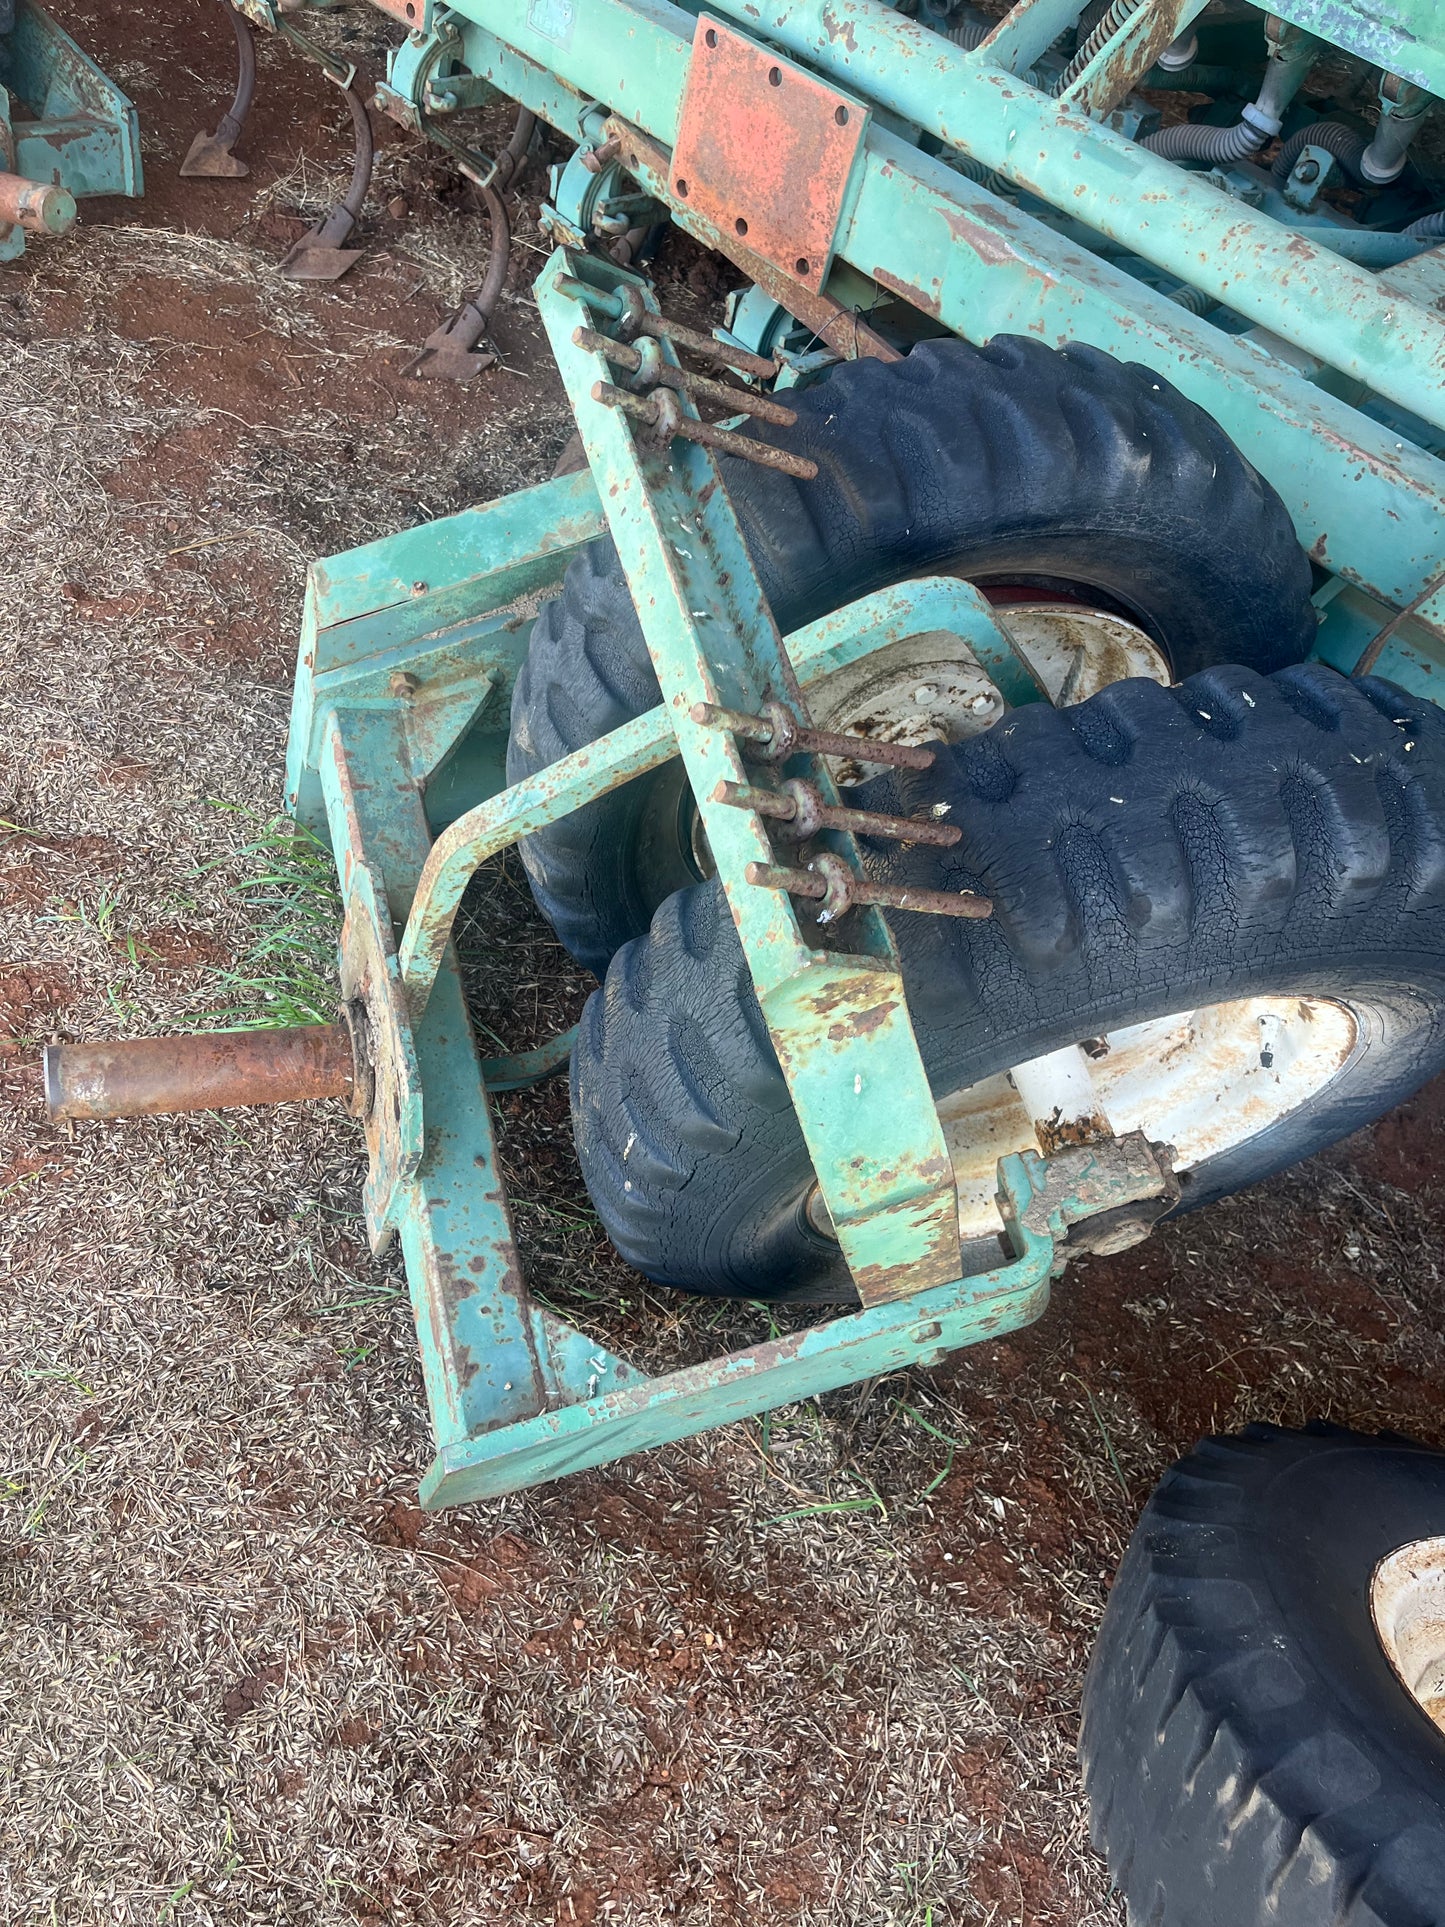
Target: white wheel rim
1203 1080
930 688
1407 1604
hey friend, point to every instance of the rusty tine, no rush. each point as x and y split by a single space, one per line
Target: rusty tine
706 346
634 319
211 156
779 736
801 806
741 400
829 881
652 410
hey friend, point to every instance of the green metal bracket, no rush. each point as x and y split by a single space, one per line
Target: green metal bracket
415 641
62 121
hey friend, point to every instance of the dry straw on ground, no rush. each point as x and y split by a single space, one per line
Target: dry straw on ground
823 1669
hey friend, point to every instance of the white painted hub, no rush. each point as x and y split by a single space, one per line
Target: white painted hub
929 688
1202 1080
1407 1603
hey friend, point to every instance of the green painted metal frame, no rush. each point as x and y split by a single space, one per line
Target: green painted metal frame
398 671
1367 501
62 120
411 645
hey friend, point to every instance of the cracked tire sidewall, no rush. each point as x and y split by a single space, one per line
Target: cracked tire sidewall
1012 462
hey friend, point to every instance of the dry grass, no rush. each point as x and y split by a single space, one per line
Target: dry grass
818 1670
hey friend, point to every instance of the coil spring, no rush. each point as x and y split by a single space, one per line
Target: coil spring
1121 11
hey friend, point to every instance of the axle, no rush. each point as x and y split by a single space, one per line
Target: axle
212 1071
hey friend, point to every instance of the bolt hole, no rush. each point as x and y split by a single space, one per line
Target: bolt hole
681 187
410 10
741 225
803 265
775 76
840 114
710 37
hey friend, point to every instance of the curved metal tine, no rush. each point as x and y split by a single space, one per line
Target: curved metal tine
451 352
209 156
321 254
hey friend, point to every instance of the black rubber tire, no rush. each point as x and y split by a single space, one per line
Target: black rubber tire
1251 1757
1149 851
1013 462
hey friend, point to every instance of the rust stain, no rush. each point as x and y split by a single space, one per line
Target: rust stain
862 1022
931 304
765 151
936 1265
1057 1134
985 243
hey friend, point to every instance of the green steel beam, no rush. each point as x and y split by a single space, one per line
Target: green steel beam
81 130
634 57
1402 36
1366 503
865 1344
1156 209
838 1019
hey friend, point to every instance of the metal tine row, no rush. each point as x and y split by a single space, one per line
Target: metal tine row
797 808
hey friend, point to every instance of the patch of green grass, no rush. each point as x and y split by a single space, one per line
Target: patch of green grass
955 1446
1104 1430
287 974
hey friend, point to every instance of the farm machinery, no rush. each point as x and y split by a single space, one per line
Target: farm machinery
66 130
974 709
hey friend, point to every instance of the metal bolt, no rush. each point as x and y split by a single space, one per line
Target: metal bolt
801 807
660 412
418 588
925 693
403 686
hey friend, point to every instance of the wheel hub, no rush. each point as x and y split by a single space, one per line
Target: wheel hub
1407 1604
1202 1080
929 688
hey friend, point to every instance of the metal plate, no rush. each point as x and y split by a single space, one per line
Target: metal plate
415 14
765 151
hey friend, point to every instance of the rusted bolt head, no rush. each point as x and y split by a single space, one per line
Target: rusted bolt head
403 686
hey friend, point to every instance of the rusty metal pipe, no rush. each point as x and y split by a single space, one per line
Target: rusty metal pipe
652 410
211 1071
779 736
38 206
830 883
741 400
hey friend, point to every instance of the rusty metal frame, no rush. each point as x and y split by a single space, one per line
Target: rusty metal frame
399 672
67 131
1368 502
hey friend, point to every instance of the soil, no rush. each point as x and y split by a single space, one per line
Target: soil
822 1669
